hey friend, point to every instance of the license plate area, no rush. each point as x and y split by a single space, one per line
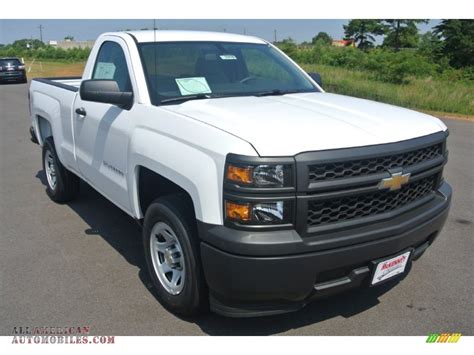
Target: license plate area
388 268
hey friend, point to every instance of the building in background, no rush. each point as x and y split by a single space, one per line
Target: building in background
68 44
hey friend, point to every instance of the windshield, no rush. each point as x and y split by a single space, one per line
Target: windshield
179 71
9 62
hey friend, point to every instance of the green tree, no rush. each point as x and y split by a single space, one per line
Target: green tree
69 38
458 41
363 32
430 45
288 46
22 43
322 37
401 33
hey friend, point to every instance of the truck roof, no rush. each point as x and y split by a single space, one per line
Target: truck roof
181 36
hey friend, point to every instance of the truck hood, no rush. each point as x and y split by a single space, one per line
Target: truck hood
294 123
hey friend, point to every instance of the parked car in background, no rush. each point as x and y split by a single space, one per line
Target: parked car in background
12 69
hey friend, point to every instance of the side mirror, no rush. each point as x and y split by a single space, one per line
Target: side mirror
317 78
105 91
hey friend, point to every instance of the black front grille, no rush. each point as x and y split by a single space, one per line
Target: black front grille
322 212
363 167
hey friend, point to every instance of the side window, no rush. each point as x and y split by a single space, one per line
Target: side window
260 64
111 64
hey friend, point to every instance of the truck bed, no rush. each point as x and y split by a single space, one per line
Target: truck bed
52 100
71 83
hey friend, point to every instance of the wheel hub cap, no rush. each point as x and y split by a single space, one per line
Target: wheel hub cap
171 259
167 258
50 170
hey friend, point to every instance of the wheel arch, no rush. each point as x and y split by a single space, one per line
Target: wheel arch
44 129
150 185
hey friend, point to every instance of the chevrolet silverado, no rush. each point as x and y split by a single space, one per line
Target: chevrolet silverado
256 190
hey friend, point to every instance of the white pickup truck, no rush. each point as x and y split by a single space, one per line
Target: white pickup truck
257 191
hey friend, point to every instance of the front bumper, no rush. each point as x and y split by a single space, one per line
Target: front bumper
254 274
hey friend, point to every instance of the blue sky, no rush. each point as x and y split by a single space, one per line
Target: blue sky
300 30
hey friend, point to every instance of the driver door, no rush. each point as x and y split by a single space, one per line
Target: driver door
101 130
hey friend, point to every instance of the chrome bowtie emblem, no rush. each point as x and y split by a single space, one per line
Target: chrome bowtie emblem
394 182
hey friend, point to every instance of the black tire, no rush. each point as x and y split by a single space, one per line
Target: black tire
33 135
176 213
67 184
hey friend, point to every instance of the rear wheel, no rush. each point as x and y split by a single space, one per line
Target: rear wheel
33 135
172 255
61 184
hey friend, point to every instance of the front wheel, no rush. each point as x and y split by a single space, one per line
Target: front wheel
172 256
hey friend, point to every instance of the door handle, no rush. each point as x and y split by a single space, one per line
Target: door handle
81 111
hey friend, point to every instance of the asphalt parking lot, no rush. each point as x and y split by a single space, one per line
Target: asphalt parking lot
81 263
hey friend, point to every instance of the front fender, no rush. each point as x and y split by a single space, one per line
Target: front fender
196 169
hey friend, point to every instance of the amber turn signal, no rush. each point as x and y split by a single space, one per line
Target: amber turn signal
239 174
237 211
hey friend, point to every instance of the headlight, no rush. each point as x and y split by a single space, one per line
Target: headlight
270 212
269 175
260 176
259 192
259 213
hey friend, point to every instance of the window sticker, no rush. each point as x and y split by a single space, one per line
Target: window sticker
228 57
104 70
193 86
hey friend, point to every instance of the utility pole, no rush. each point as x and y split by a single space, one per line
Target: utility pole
41 32
274 36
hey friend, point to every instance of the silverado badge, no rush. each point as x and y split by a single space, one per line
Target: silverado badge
395 181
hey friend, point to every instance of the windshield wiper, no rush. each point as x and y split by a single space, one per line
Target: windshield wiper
276 92
186 98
